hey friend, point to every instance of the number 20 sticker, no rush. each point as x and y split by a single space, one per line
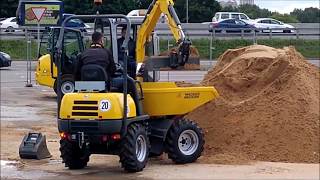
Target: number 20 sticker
105 105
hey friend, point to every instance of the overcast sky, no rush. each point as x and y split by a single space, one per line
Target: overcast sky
285 6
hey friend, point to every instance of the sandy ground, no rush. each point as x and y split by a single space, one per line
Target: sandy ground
25 110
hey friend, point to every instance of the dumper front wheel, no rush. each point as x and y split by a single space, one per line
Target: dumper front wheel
72 155
184 142
67 84
135 148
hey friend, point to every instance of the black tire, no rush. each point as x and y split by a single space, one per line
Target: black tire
131 160
72 155
67 80
286 31
184 127
9 29
55 87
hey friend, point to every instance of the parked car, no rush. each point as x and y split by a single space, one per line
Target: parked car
219 16
138 12
9 24
274 25
141 13
232 25
76 23
5 59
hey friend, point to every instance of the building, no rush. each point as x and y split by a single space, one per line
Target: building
228 3
242 2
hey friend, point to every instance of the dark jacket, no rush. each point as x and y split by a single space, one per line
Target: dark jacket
132 64
131 49
96 55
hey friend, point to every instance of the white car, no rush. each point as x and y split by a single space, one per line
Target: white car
276 26
138 12
141 13
219 16
9 24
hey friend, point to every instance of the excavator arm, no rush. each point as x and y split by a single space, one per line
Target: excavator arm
156 8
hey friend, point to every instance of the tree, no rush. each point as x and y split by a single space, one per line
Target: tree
8 8
78 6
199 10
108 7
230 9
143 4
254 11
284 17
308 15
118 6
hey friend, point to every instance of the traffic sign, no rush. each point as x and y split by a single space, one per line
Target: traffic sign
38 12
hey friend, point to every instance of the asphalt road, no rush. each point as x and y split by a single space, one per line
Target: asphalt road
27 108
199 30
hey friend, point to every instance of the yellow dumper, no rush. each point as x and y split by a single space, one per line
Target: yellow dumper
165 98
118 115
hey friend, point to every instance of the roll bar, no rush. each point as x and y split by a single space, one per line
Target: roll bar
124 48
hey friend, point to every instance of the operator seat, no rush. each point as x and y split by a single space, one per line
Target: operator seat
94 72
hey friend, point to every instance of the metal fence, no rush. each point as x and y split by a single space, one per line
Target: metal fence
197 30
206 42
213 43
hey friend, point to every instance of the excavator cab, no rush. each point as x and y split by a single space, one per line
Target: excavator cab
46 70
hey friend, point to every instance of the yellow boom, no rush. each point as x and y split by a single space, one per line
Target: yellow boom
156 8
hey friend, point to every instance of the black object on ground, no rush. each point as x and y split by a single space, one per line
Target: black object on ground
33 146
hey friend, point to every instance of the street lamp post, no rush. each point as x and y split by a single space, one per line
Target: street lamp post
98 4
187 11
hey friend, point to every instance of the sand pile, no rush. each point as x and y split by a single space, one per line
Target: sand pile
268 109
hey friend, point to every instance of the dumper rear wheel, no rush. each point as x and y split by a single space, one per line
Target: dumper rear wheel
135 148
72 155
184 142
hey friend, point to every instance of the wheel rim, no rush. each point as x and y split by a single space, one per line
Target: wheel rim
9 29
141 148
67 87
188 142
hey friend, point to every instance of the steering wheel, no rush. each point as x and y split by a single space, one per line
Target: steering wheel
119 69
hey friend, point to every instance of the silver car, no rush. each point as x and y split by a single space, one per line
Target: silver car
269 24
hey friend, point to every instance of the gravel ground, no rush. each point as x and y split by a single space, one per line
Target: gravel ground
33 109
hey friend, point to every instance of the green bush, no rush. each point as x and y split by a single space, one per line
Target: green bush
309 48
17 49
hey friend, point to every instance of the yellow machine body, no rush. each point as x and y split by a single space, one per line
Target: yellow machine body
165 98
95 106
43 71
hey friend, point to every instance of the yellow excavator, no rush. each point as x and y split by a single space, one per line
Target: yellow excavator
134 119
46 70
156 9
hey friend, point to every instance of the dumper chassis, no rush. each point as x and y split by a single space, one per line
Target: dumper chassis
133 125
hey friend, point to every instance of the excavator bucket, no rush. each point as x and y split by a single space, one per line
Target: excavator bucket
34 146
